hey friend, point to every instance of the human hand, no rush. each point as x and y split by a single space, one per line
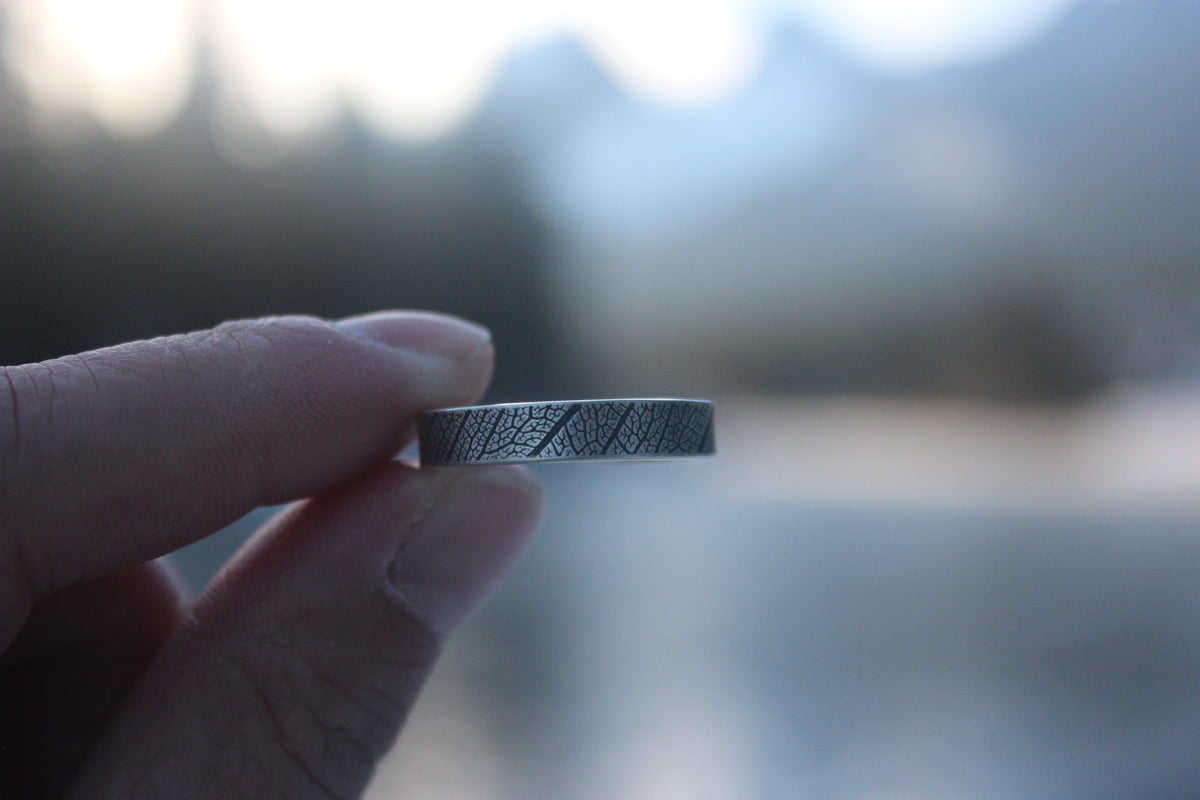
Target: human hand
293 671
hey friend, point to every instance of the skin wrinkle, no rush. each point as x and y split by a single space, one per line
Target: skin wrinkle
242 344
352 700
393 587
219 453
368 739
16 418
316 411
244 438
102 516
61 407
22 554
343 742
299 658
381 696
82 359
282 737
37 394
302 673
29 379
129 362
15 601
163 385
51 424
179 346
228 329
62 414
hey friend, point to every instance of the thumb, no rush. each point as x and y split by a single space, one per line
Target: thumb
301 661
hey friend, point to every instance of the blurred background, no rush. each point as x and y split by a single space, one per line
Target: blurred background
938 262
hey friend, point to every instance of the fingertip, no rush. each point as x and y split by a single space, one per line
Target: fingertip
501 478
420 331
455 556
451 353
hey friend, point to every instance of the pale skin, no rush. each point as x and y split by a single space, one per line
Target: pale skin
290 675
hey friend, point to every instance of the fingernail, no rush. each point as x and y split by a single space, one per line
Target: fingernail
456 555
422 332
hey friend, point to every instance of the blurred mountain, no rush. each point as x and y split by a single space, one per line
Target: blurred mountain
1022 227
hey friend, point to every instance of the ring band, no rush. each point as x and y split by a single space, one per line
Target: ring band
568 430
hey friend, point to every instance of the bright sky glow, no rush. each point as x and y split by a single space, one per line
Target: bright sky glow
922 34
414 69
125 61
282 56
673 51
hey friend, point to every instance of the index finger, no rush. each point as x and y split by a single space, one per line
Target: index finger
116 456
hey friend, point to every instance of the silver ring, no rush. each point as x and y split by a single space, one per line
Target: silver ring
566 430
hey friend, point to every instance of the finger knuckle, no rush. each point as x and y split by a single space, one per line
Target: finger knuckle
10 409
29 401
272 331
30 419
286 351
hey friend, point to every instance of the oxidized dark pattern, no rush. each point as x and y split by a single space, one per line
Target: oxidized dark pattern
557 431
